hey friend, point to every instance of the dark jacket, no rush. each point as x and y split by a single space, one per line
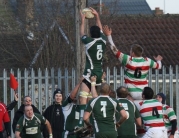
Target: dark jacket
11 105
55 116
19 113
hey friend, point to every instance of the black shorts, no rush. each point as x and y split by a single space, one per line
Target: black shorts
88 84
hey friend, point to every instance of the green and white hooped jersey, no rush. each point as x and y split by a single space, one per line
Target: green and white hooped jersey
168 116
103 110
136 70
151 112
94 48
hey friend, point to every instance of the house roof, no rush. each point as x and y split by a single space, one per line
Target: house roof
156 34
130 7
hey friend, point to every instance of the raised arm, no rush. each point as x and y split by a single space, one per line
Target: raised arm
98 21
13 103
75 90
93 88
82 26
108 31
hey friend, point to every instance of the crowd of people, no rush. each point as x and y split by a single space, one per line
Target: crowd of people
97 111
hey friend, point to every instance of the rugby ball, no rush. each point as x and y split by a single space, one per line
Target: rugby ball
88 13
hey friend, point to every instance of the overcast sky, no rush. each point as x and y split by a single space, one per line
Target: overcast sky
171 6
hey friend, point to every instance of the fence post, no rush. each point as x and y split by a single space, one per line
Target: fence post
40 90
47 93
66 82
5 86
171 86
177 94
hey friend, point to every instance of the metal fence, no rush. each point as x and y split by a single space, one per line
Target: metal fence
42 84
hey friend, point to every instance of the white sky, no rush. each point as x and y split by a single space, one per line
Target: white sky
170 6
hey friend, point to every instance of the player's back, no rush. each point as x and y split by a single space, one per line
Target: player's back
95 48
152 113
103 109
129 124
136 71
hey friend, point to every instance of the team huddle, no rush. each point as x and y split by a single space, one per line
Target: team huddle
93 109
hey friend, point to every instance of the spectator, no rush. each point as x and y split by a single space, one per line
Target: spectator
54 115
29 125
20 112
152 115
103 109
134 115
4 120
169 117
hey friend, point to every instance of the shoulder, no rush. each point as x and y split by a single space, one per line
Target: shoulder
50 107
3 106
115 100
168 108
38 115
21 119
85 37
21 108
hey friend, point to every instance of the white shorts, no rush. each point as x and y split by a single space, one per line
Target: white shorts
156 132
176 135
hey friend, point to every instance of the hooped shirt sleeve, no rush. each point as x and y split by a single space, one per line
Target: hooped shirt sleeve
123 58
170 113
153 64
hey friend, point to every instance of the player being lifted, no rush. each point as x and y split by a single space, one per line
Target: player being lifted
94 47
136 66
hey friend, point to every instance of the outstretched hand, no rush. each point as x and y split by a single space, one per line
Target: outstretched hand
107 30
94 11
93 78
158 58
16 96
82 15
